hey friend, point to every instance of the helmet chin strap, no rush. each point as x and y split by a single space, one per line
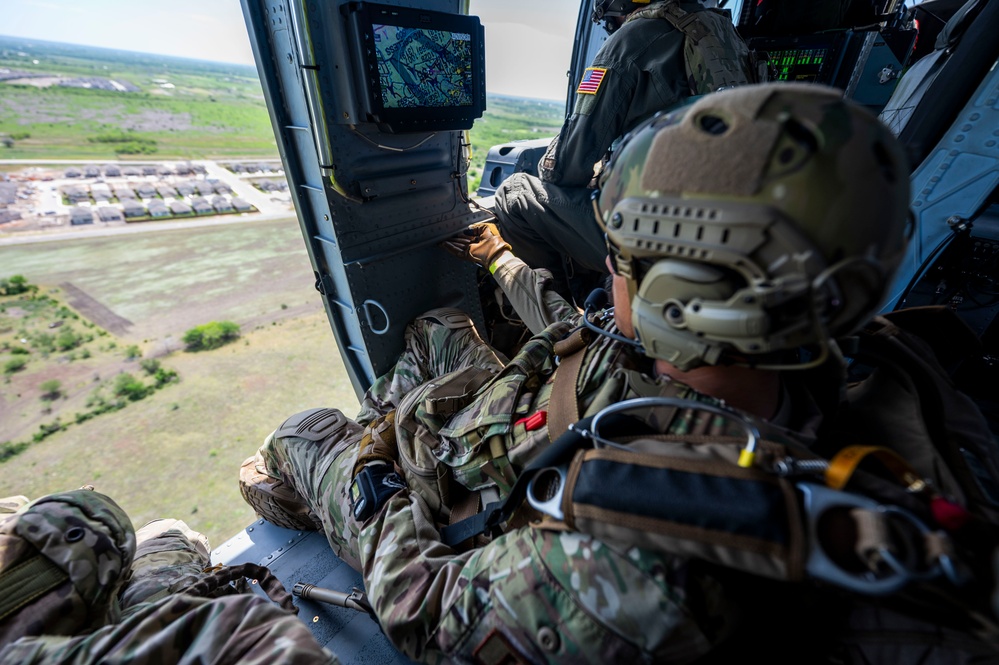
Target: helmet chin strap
598 300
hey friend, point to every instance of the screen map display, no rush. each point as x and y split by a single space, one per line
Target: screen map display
423 68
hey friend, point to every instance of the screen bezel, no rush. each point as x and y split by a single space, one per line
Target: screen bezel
361 19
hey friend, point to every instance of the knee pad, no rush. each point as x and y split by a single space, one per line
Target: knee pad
449 317
312 425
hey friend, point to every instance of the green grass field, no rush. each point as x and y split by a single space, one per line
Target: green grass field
213 110
175 453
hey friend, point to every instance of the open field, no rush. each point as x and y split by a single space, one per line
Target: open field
190 109
176 452
510 119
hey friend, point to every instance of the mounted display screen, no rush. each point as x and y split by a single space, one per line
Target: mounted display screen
421 70
809 58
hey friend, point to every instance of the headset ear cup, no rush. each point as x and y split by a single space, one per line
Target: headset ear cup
660 304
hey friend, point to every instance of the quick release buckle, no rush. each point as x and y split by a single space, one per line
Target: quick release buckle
373 485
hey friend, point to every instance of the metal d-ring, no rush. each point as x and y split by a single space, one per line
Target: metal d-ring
367 315
752 432
550 503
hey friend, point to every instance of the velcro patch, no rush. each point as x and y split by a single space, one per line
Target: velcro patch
592 78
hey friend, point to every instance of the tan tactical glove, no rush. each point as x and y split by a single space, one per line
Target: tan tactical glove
378 444
480 243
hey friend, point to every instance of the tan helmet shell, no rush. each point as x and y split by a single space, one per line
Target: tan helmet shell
757 220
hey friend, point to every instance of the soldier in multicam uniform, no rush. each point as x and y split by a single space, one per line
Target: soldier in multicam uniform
644 67
78 584
783 219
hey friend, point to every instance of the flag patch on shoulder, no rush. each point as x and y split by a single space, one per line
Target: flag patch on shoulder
592 78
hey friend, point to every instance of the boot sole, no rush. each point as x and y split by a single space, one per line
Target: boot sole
275 501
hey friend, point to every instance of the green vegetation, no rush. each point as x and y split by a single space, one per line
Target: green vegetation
126 385
14 365
15 285
51 390
211 335
212 110
508 119
127 143
33 325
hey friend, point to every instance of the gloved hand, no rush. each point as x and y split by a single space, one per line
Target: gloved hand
378 444
480 243
376 476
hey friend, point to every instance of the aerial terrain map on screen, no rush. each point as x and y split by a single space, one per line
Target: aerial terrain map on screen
423 67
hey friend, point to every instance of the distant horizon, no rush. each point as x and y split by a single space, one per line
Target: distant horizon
528 44
110 49
251 67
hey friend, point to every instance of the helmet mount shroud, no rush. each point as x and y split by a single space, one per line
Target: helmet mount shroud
754 222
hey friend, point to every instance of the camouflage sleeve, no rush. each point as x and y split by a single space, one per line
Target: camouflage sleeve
531 294
597 119
531 595
244 629
169 556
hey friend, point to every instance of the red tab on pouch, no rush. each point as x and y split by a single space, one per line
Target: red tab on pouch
533 421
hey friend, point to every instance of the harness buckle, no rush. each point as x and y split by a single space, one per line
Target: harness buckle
890 563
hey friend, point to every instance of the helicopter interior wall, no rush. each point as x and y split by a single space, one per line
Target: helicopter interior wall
371 203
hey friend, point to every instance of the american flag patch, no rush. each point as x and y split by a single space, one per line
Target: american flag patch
592 78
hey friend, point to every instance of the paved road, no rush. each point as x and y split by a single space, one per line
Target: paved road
56 235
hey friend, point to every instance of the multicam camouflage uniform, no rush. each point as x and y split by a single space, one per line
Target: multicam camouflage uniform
536 593
117 595
642 69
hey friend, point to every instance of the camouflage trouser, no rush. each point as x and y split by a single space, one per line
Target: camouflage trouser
321 468
150 619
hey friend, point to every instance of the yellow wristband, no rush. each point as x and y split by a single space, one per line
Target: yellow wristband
501 259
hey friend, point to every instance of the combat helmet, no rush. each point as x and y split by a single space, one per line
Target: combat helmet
755 222
607 9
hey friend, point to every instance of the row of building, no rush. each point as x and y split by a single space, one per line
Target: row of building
116 170
253 167
132 210
103 192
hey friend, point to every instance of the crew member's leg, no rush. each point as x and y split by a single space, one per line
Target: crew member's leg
300 477
439 342
545 223
169 556
230 630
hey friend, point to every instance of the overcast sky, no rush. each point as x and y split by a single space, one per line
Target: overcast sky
528 42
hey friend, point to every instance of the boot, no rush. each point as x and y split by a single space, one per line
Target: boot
273 499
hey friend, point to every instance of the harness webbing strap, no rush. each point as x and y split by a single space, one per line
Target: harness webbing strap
27 581
563 409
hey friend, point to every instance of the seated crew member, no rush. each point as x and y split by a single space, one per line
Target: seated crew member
640 69
756 226
78 584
